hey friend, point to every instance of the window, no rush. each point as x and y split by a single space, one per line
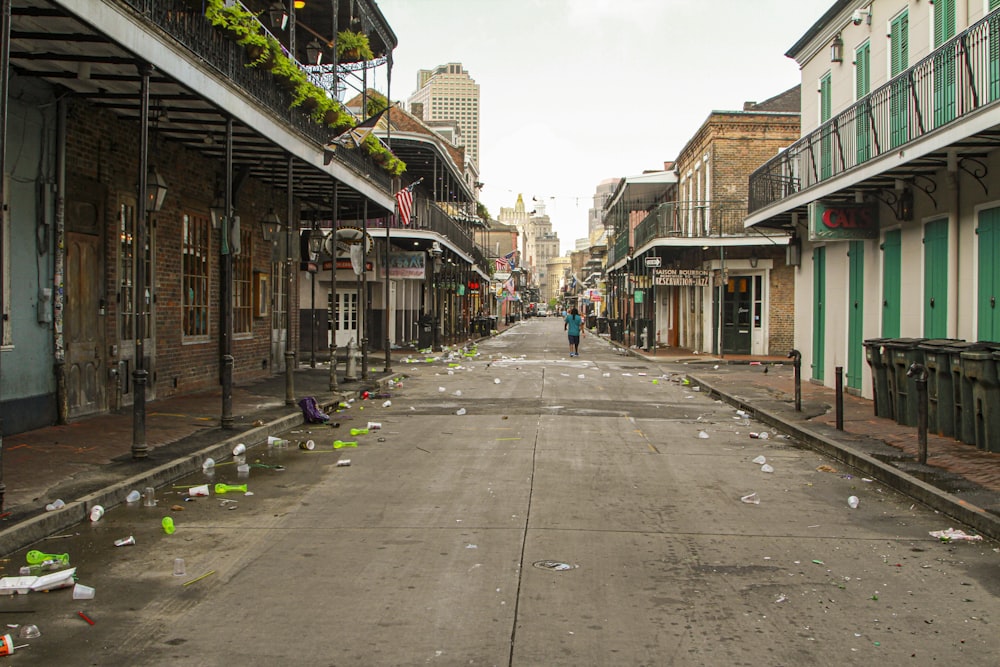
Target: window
194 275
243 285
126 274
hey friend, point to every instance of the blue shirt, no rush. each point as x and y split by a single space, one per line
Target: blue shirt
573 323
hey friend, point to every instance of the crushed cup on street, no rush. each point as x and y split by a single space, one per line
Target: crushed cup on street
55 505
343 463
751 499
239 449
763 435
766 468
276 442
125 541
387 404
703 435
460 412
374 426
760 460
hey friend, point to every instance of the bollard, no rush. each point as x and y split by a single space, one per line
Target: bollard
839 384
351 367
919 374
796 358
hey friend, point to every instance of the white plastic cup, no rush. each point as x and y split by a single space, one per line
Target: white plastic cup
133 496
853 502
208 464
243 469
57 504
96 512
274 441
308 445
196 491
239 449
149 497
81 592
179 570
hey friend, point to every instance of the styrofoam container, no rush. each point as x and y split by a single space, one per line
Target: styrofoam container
19 585
54 580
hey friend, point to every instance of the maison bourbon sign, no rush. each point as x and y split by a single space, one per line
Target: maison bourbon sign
842 220
681 277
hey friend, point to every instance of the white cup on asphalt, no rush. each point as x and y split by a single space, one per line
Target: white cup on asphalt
81 592
96 512
239 449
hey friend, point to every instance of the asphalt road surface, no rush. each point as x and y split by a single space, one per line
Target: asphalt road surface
582 511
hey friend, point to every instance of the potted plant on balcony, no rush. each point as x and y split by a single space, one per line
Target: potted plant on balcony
353 47
262 50
288 73
233 20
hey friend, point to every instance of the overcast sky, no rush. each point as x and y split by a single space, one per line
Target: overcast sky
576 91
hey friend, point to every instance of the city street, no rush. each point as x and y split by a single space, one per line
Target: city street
592 510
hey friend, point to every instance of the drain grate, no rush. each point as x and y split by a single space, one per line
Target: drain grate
554 565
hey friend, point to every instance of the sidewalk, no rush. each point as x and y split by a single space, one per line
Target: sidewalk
958 480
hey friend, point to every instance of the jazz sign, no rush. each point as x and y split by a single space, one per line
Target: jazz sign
842 220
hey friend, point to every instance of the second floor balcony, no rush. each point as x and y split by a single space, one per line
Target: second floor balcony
896 130
692 221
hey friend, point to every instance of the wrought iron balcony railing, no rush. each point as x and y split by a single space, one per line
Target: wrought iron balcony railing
957 79
185 23
691 220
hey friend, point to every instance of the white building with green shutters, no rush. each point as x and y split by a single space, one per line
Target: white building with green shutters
893 191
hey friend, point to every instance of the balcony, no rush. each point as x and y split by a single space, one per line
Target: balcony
953 83
692 220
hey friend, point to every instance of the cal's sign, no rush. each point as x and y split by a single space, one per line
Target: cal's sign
842 220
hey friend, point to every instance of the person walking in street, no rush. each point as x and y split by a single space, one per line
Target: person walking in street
573 325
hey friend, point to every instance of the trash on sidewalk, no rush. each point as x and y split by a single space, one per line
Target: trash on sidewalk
81 592
751 499
46 582
339 444
760 460
387 404
125 541
766 468
57 504
84 617
133 496
35 557
703 435
198 491
343 463
460 412
853 502
168 525
96 512
311 411
226 488
307 445
274 441
239 449
825 468
955 535
208 464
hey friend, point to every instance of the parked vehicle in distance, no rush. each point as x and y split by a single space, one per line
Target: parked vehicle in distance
542 310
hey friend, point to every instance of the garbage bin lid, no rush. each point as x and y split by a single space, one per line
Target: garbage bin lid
937 344
904 343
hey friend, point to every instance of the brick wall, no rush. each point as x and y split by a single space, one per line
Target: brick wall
103 148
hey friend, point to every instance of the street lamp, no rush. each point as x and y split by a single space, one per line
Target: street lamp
315 246
436 253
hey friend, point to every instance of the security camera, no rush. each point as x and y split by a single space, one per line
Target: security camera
857 17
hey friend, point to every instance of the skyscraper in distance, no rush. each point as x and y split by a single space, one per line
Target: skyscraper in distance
448 93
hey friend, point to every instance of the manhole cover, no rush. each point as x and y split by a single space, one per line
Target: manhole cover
554 565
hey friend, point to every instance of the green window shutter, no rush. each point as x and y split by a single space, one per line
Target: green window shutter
862 58
944 21
994 4
826 140
862 87
899 34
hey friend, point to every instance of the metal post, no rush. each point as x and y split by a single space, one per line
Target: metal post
839 389
226 296
289 353
796 358
4 89
140 449
366 313
388 337
919 373
313 270
334 310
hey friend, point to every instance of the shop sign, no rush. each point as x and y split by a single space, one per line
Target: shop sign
681 277
842 220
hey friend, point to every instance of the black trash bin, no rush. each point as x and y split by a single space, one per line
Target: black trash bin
492 319
617 330
426 336
940 394
961 387
905 351
875 356
980 368
602 325
591 321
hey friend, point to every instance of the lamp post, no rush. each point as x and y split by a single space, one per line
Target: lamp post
436 253
289 352
333 316
222 219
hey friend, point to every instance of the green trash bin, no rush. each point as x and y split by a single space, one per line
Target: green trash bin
940 394
880 376
905 351
961 386
980 368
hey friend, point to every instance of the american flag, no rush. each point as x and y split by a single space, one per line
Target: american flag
404 200
501 264
509 257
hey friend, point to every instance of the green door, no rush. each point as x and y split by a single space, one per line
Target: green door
855 314
819 312
899 35
891 263
988 310
936 279
862 87
826 141
944 63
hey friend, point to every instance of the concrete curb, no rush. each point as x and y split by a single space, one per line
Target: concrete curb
934 498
